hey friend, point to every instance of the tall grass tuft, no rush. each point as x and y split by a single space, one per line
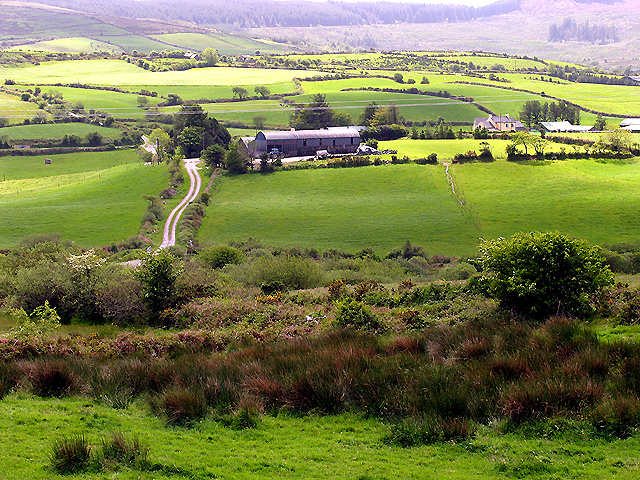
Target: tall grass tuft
120 450
70 455
181 407
52 378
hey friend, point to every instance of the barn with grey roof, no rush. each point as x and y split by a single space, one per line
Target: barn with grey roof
297 143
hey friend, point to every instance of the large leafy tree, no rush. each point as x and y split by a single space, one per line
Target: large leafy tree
542 274
318 114
194 117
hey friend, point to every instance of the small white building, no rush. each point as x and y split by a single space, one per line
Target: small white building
631 124
565 126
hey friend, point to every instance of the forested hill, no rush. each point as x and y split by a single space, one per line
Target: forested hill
270 13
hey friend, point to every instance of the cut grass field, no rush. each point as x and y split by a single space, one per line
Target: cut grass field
331 447
15 110
121 73
71 44
93 199
57 130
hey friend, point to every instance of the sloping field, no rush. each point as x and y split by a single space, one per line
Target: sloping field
224 44
71 44
91 198
592 200
57 130
380 207
140 43
121 73
15 110
617 99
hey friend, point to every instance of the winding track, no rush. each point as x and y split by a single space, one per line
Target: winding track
170 226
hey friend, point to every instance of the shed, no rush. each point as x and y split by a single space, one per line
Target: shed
296 143
565 127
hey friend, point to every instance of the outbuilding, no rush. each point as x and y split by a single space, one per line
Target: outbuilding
565 126
298 143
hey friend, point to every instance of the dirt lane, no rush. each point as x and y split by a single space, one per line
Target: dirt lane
171 225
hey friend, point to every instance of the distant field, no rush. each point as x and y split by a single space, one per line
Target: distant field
140 43
197 92
57 130
91 198
121 73
224 44
71 44
379 207
15 110
445 149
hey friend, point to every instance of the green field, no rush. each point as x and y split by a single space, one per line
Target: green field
121 73
379 207
332 447
57 130
224 44
93 199
71 44
15 110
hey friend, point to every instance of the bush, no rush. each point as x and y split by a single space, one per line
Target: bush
541 274
70 455
293 272
219 256
417 431
351 313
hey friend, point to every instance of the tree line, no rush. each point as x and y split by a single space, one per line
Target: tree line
533 112
270 13
569 29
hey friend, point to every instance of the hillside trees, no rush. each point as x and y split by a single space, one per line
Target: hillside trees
533 112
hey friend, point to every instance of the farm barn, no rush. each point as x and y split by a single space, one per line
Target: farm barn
296 143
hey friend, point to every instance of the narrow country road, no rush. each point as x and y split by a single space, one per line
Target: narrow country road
170 226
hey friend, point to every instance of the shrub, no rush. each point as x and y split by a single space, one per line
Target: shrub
351 313
539 274
70 455
218 256
294 272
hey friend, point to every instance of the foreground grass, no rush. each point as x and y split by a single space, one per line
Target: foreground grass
332 447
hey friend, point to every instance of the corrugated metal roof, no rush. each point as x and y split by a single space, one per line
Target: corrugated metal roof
630 121
345 132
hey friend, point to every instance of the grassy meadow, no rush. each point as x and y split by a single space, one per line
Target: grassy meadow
15 110
334 447
379 207
92 199
121 73
57 130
